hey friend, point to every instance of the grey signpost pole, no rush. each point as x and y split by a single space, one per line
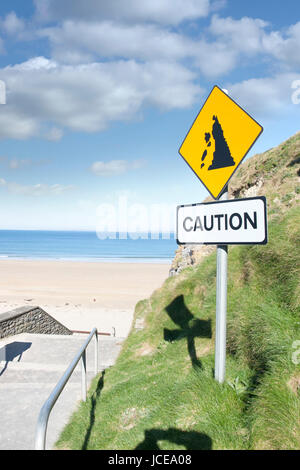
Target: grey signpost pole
221 307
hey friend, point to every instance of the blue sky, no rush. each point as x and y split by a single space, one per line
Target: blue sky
101 94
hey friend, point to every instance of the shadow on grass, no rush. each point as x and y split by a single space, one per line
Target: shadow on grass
190 327
191 440
94 399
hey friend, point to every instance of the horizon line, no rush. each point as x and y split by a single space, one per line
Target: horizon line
82 230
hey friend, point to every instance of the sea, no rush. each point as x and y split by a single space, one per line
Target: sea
86 246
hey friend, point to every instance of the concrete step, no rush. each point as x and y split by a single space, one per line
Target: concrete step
30 367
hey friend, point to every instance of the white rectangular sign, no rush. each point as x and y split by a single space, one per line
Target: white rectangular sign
232 222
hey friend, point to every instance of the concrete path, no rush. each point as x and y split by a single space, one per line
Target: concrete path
30 367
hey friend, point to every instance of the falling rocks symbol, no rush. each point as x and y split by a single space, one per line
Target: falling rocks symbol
222 156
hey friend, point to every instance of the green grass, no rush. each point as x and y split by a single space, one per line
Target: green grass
161 392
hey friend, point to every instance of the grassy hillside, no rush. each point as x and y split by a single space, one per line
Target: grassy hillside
161 393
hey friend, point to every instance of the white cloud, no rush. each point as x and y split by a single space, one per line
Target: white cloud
218 5
250 36
215 59
88 97
285 47
115 167
17 123
160 11
54 134
15 164
226 44
19 163
80 41
11 24
267 97
36 189
243 35
35 63
110 60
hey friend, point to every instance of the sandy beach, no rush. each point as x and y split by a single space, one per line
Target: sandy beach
81 295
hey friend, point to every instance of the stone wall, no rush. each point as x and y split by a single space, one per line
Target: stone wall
30 320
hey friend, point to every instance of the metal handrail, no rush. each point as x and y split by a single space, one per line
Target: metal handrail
41 429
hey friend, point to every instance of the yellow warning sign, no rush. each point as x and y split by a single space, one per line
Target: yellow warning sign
219 139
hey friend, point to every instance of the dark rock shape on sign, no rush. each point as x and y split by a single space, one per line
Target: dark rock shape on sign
207 140
207 137
222 156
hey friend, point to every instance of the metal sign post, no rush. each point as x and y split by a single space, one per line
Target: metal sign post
221 307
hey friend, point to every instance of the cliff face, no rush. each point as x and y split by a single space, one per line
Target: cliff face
189 255
274 174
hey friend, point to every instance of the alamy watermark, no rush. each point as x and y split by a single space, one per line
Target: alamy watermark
296 94
126 220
